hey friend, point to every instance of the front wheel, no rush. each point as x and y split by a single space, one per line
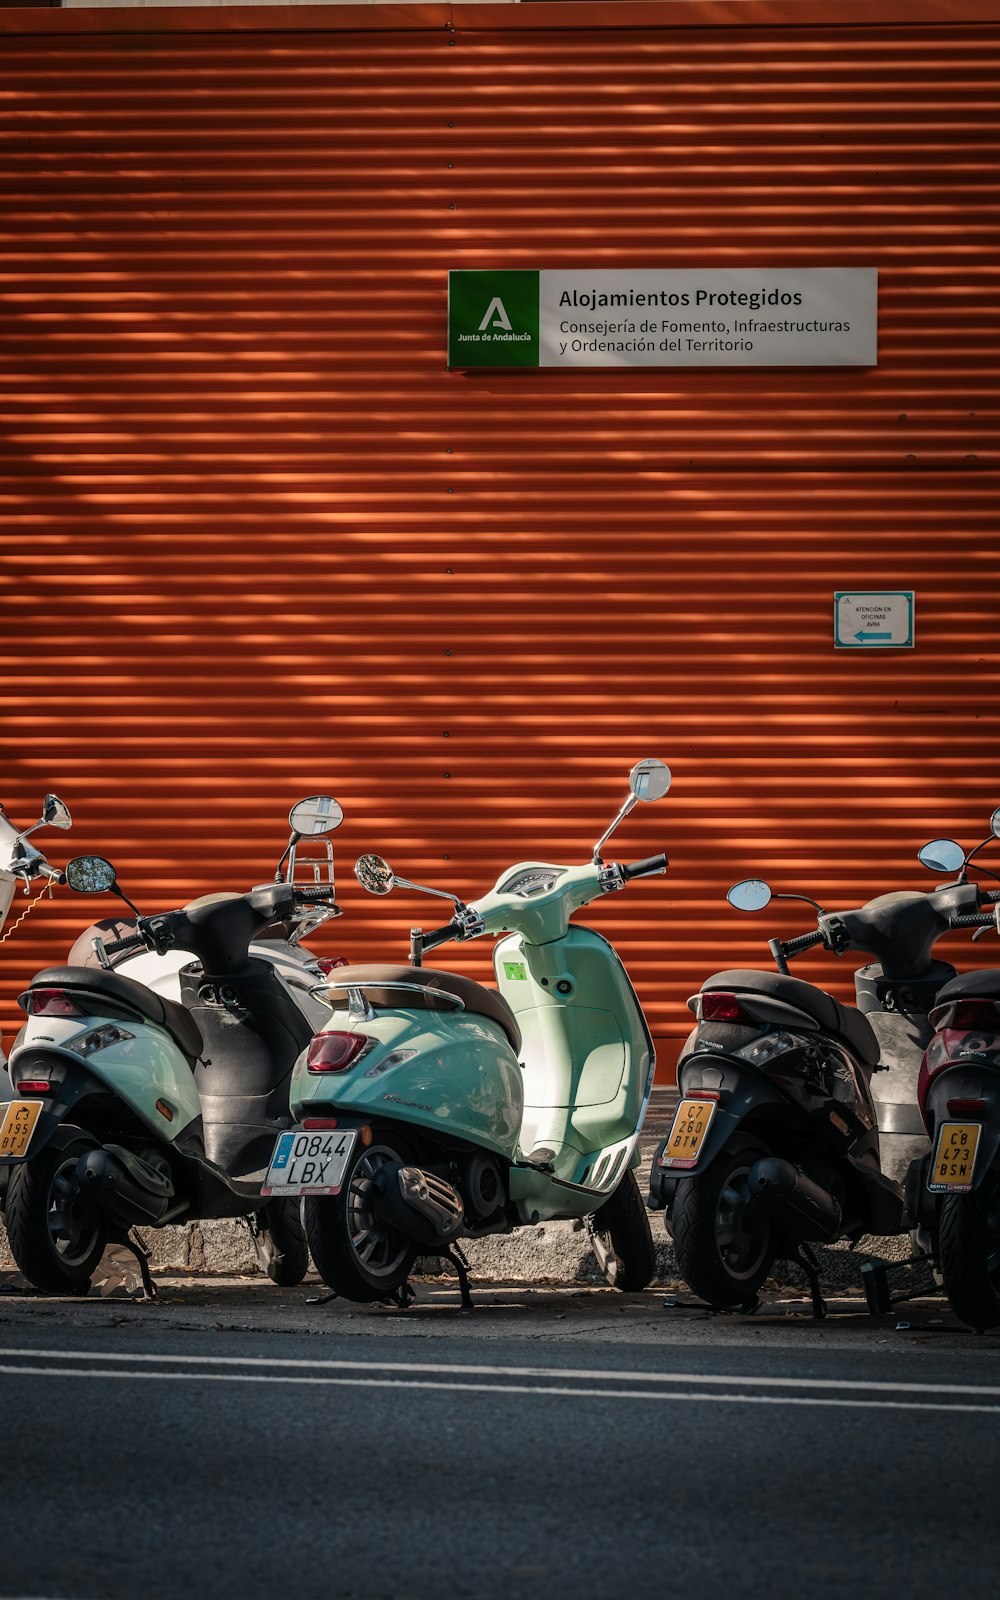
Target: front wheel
622 1241
56 1236
280 1242
969 1253
357 1253
725 1245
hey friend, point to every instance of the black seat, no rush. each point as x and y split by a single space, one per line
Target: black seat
381 984
970 986
124 992
850 1025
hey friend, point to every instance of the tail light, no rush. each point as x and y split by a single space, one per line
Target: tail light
975 1015
327 964
717 1006
336 1051
51 1003
34 1086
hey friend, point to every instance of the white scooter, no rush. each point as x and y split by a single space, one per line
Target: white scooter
135 1109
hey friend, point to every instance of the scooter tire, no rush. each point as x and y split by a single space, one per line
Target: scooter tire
969 1253
39 1200
357 1255
721 1259
280 1242
622 1239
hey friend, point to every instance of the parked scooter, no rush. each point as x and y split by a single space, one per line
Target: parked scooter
432 1109
953 1190
775 1143
138 1110
22 862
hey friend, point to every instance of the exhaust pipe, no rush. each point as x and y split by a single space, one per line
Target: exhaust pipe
104 1176
797 1204
418 1203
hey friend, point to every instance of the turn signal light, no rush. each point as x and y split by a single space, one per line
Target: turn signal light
335 1051
719 1007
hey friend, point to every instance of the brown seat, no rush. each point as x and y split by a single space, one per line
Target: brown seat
381 983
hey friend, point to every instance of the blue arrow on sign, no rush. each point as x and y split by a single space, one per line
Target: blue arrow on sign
864 636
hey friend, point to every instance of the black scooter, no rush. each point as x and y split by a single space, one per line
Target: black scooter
775 1143
953 1189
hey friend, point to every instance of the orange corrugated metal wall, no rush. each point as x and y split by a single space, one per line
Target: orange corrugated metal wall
258 541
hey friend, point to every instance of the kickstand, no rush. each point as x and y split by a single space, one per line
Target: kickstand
805 1258
456 1256
134 1242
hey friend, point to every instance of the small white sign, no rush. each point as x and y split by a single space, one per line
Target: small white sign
873 619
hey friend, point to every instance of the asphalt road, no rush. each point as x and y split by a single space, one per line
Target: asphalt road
236 1440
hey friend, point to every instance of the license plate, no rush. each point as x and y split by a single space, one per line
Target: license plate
17 1128
691 1123
309 1162
954 1157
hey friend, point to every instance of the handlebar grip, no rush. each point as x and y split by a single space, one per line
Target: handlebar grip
132 941
993 894
430 941
645 868
805 941
977 919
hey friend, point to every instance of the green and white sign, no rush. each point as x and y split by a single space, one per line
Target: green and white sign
716 317
873 619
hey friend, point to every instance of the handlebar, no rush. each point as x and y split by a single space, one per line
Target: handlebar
131 941
805 941
430 941
646 868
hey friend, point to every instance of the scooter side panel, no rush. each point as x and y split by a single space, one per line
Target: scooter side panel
453 1075
140 1071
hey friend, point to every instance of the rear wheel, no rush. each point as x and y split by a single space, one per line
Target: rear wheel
969 1250
357 1254
56 1236
725 1245
621 1237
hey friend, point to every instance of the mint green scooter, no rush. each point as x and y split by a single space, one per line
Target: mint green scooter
432 1109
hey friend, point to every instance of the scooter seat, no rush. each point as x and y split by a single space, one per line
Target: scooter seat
845 1021
381 985
983 985
126 992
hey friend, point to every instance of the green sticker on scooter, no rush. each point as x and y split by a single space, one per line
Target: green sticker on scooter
514 971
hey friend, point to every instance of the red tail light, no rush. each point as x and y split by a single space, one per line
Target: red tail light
717 1006
966 1108
51 1003
328 963
34 1086
334 1052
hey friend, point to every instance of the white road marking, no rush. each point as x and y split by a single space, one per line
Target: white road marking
335 1374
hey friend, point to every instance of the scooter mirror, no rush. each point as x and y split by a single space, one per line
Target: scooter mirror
649 780
319 814
753 894
374 874
90 875
55 814
995 823
942 855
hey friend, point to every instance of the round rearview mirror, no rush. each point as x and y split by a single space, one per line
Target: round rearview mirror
649 780
995 823
55 814
374 874
942 855
319 814
750 895
90 875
